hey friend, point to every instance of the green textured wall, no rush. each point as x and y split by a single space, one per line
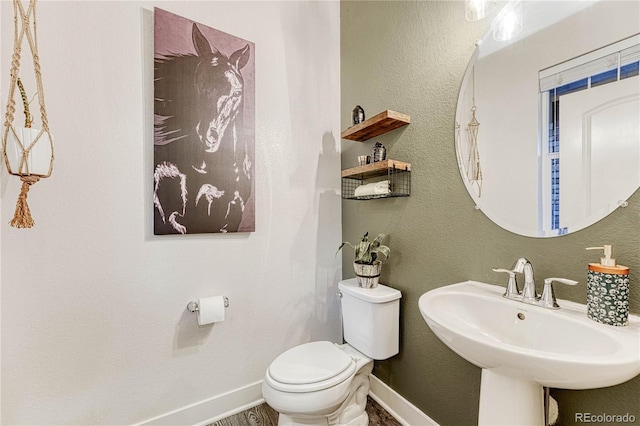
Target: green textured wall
411 57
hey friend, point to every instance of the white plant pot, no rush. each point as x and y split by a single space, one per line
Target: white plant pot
368 275
38 161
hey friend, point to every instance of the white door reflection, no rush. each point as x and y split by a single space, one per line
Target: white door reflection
600 140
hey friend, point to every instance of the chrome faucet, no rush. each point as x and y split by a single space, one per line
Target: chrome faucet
528 293
548 298
512 291
523 266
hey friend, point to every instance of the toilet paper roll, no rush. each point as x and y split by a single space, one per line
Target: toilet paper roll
210 310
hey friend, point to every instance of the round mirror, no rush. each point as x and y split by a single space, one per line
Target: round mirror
548 123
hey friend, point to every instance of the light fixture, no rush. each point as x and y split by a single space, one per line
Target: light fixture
474 10
508 23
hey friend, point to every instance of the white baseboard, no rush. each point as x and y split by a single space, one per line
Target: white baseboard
212 409
405 412
235 401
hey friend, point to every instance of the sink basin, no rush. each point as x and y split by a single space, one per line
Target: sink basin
528 346
555 348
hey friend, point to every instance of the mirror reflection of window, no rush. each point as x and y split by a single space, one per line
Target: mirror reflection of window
608 78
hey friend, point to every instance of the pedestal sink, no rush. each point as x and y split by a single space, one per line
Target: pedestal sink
522 348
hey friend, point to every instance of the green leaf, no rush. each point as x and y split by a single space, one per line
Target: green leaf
365 251
386 251
342 245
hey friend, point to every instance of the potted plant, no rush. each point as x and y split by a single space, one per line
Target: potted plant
367 264
27 153
24 155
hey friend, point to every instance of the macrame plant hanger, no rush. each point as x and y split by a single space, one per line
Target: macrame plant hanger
474 171
27 152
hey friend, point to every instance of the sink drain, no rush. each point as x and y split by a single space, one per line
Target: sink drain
520 316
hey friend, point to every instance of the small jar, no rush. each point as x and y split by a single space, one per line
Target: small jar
357 115
363 160
379 152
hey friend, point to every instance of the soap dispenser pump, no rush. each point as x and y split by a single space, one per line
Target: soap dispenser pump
608 290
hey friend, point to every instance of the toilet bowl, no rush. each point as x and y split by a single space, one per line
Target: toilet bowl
324 383
319 383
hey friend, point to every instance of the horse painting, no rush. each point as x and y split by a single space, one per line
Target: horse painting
203 171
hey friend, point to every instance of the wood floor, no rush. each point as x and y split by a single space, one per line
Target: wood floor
263 415
378 416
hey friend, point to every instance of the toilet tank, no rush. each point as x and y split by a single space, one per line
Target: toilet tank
371 318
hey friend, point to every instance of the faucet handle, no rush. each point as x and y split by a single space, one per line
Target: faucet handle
548 298
512 285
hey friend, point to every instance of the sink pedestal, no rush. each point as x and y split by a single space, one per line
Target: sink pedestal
508 401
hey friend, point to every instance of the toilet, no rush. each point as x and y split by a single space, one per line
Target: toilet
325 383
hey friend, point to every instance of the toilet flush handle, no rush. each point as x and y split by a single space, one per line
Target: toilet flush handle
339 294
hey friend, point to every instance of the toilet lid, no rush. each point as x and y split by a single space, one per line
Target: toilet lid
312 364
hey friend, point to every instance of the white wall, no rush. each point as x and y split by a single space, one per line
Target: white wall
94 326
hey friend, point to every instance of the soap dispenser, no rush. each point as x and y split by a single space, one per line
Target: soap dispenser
608 290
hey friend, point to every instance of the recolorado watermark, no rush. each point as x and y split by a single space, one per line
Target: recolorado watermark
604 418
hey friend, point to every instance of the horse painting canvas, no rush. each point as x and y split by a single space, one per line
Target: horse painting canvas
204 129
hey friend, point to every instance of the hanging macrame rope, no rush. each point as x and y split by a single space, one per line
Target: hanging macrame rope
22 216
25 27
474 171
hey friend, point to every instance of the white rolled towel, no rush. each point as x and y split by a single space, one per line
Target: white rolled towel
375 188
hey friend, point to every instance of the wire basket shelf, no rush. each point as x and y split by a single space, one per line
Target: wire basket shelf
397 174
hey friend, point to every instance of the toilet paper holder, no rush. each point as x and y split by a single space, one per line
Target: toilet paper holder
193 305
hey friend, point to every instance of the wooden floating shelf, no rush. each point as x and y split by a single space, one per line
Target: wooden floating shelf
379 168
375 126
375 197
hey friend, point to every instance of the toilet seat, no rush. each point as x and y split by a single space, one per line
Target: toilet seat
310 367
